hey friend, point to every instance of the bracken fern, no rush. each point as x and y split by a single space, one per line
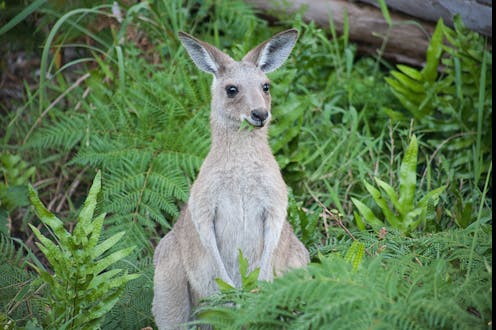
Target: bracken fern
407 288
82 287
149 142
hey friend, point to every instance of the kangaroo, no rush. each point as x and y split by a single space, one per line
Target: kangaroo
239 198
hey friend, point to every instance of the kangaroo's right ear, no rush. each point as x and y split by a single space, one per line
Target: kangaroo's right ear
272 53
206 57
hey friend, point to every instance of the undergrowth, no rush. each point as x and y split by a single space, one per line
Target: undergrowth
117 95
421 284
82 288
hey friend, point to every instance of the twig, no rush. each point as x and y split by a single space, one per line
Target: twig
56 195
85 94
335 217
54 103
376 169
47 181
18 302
71 190
331 215
326 225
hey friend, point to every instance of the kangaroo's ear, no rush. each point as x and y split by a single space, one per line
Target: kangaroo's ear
272 53
206 57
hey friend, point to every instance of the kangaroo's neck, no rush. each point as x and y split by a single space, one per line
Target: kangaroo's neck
230 143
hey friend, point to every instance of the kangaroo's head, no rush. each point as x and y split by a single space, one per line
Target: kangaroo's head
241 90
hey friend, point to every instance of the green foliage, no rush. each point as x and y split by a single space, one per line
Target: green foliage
385 12
15 174
83 288
416 89
248 279
401 210
407 288
355 254
325 109
118 94
15 171
462 210
132 310
149 143
19 294
213 310
306 224
452 102
21 16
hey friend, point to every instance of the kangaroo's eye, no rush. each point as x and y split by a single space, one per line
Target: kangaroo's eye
266 87
231 91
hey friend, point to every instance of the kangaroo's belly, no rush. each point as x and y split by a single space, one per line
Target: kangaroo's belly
239 225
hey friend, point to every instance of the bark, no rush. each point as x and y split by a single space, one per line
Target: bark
475 14
407 38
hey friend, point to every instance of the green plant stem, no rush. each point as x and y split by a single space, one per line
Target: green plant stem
480 111
22 15
380 53
479 214
431 158
48 43
54 103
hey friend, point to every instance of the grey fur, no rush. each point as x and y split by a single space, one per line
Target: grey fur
239 198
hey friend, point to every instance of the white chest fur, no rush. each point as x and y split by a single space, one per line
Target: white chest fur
241 206
240 195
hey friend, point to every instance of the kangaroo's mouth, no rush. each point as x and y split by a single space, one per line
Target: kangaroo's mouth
259 123
253 122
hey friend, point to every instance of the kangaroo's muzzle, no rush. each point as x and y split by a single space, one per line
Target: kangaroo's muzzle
259 117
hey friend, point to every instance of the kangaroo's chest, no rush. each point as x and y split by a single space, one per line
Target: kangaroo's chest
242 203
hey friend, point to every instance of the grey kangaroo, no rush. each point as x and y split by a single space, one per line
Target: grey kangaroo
239 198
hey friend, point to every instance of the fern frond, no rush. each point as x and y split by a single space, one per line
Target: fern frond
65 133
422 288
19 291
133 308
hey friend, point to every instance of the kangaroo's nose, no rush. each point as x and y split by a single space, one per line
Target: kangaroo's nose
259 115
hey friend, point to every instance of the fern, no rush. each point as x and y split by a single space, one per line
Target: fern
305 223
14 277
400 210
20 294
65 133
249 283
82 288
133 308
444 100
14 176
149 141
12 267
386 291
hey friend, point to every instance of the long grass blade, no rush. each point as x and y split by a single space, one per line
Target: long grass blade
385 12
480 112
22 15
48 45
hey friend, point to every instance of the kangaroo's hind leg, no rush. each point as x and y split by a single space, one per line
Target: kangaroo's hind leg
171 301
290 253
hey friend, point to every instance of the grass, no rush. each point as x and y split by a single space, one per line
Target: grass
133 106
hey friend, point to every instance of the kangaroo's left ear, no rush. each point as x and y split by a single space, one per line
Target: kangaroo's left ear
272 53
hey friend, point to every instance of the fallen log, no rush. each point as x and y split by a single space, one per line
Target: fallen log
475 14
407 41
